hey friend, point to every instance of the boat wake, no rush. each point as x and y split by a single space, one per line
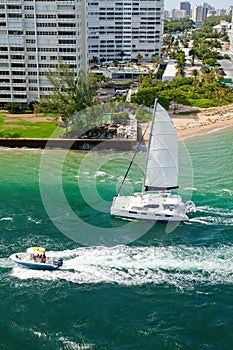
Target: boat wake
213 216
6 264
180 266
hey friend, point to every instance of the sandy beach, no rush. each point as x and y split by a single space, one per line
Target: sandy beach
197 122
203 122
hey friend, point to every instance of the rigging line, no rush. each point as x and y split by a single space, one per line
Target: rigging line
135 152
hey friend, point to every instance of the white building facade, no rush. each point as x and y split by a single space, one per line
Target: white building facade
34 36
129 27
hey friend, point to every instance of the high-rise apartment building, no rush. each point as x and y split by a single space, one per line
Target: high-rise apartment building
185 5
125 27
34 36
230 33
199 14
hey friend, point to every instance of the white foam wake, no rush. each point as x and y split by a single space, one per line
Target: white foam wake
6 263
179 266
213 216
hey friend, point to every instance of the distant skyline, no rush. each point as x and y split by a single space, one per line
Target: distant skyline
224 4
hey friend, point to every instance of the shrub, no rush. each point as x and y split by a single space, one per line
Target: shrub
203 103
12 107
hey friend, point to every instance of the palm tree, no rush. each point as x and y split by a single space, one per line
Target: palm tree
155 60
159 73
195 73
121 54
95 59
193 53
115 62
139 57
180 63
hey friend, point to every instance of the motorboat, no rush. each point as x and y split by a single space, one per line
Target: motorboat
156 202
35 258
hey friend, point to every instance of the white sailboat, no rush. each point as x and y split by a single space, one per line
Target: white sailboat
156 202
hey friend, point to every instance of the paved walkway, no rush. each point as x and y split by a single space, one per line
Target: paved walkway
227 66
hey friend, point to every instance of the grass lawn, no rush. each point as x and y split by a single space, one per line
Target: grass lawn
28 126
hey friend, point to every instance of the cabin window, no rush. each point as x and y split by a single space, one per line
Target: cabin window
151 206
169 206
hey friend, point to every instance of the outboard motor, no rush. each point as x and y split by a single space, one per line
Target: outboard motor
58 262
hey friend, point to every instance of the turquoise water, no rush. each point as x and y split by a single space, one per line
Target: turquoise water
123 285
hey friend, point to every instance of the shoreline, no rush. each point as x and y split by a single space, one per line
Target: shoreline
203 122
195 123
200 129
189 123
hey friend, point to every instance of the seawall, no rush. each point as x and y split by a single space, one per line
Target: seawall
74 144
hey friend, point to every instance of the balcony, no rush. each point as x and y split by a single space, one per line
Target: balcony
5 91
67 20
66 36
13 2
21 93
14 10
66 12
19 85
4 83
19 100
67 29
6 100
70 2
72 46
18 69
17 76
17 61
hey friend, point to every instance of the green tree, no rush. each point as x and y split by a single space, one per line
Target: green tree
121 54
95 60
177 25
139 57
71 92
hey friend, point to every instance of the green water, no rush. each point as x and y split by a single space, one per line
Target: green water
123 285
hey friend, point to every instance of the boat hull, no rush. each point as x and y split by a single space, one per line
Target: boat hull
149 217
19 259
155 207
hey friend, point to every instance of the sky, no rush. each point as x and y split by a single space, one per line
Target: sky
175 4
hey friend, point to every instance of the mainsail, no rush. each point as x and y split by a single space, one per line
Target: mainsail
161 172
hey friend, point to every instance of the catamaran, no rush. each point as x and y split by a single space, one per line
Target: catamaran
156 202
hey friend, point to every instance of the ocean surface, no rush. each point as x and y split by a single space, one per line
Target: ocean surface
123 285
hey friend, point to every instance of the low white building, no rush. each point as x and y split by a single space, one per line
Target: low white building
223 27
170 71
